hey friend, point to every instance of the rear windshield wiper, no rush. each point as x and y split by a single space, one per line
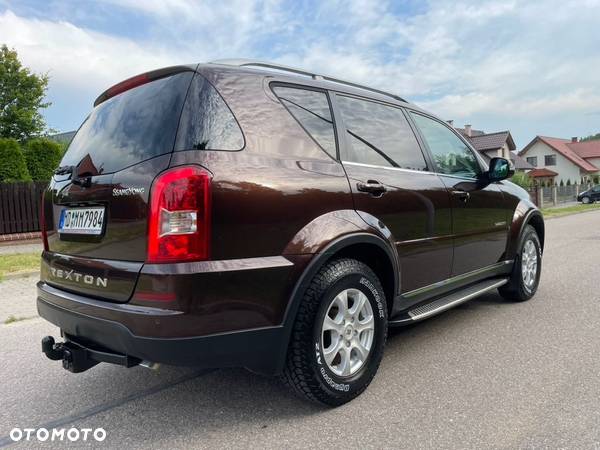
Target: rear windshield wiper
84 180
64 170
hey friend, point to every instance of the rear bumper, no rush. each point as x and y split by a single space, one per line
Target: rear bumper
260 350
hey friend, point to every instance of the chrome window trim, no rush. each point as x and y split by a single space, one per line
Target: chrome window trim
426 172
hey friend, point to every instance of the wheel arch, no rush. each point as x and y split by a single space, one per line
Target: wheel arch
368 248
525 214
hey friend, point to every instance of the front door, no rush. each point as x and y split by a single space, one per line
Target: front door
479 222
394 188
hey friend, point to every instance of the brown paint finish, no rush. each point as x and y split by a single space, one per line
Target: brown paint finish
421 228
260 203
480 224
277 204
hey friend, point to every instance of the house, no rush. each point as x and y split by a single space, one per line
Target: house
490 145
557 159
520 163
63 138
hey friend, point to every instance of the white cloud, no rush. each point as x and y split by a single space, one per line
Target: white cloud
78 58
493 61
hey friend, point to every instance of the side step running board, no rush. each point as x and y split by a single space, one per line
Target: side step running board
447 302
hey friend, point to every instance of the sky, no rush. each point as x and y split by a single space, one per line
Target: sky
532 66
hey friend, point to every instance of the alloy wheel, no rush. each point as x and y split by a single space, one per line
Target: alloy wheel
347 332
529 264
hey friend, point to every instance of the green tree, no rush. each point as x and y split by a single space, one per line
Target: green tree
522 179
591 137
21 98
43 156
12 162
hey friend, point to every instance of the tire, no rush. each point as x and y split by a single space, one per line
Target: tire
585 200
316 375
522 287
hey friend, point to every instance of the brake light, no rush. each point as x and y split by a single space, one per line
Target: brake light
179 222
43 222
123 86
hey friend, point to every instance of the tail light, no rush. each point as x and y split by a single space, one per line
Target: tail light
43 221
179 222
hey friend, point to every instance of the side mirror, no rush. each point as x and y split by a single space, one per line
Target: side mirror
500 169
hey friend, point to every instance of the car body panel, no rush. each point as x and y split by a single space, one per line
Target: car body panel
281 209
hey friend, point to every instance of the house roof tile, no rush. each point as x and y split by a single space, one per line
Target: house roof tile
587 149
520 163
492 141
535 173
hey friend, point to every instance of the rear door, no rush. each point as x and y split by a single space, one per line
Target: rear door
479 214
96 211
392 183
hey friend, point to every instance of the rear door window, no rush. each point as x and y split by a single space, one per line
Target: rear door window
134 126
311 109
379 135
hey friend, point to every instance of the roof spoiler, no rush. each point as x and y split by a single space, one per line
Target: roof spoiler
138 80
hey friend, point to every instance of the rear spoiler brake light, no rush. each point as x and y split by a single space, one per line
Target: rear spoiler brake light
138 80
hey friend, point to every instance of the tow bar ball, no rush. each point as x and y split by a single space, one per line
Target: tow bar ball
74 357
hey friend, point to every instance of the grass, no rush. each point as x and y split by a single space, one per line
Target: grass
13 319
558 212
19 262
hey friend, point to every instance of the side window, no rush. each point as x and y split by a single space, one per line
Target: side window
311 109
532 160
450 154
206 122
379 135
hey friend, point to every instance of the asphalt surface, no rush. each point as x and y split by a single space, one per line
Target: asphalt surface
488 374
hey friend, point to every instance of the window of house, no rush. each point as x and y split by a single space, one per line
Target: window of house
311 109
451 155
550 160
379 135
532 160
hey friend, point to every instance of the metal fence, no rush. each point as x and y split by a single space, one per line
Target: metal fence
544 196
20 206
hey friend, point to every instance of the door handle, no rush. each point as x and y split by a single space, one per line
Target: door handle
462 195
373 187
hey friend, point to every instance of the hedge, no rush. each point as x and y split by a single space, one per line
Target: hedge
13 166
43 156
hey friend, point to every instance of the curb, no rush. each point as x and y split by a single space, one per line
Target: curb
15 237
15 275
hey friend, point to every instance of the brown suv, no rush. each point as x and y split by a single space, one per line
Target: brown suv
246 214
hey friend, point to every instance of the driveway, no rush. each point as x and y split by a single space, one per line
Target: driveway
488 374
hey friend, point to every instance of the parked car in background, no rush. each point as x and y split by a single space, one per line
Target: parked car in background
590 196
228 214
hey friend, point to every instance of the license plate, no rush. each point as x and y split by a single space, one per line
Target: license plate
81 220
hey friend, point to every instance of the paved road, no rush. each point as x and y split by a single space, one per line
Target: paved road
488 374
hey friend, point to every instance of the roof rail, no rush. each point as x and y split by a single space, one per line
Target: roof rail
314 76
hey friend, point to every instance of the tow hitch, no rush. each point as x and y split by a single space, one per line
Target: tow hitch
77 358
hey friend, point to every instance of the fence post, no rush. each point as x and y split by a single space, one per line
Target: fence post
539 190
576 190
555 195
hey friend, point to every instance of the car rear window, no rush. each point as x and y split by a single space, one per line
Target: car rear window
134 126
206 122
